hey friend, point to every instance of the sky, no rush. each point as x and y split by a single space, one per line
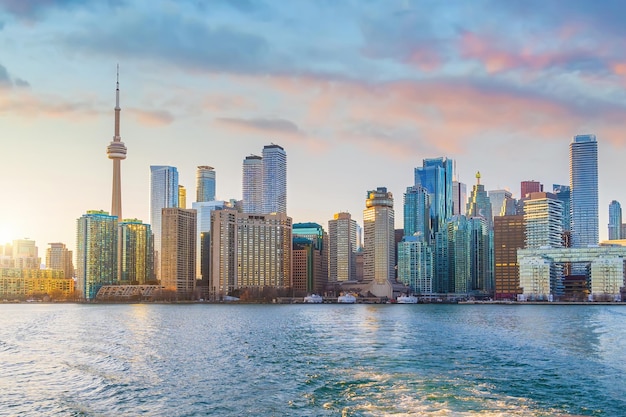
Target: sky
358 93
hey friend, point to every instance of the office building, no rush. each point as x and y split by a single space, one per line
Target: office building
459 197
379 242
479 204
417 212
563 194
96 252
59 258
500 199
163 194
182 197
342 247
615 220
205 184
135 252
178 246
436 176
527 187
508 237
25 254
310 259
117 152
415 265
584 190
274 179
253 184
252 251
203 236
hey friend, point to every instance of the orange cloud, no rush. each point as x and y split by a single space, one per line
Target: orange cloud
152 117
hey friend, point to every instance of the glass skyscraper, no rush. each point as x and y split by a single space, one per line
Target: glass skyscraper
96 252
205 184
563 194
583 165
435 175
136 252
163 194
417 213
615 220
274 179
252 185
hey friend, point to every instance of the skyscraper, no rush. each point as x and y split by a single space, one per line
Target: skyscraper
60 258
163 194
542 216
135 249
203 233
96 252
182 197
253 184
436 175
274 179
25 254
379 242
310 258
178 251
563 194
499 199
479 204
459 197
117 152
508 237
205 184
615 220
583 163
417 213
415 265
342 242
527 187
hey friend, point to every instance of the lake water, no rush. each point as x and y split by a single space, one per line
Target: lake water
312 360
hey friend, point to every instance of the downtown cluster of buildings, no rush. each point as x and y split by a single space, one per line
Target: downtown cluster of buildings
542 246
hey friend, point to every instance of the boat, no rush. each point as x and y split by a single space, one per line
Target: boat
346 299
406 299
313 298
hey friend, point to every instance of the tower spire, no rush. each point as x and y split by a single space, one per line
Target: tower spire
117 152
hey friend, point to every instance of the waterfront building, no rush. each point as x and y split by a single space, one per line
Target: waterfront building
584 190
499 202
253 184
436 176
542 217
58 257
314 257
481 256
135 252
250 251
178 259
539 270
25 254
415 265
459 254
508 237
379 242
274 179
417 212
527 187
96 252
615 220
23 283
163 194
563 194
182 197
203 235
205 184
342 242
459 197
117 152
479 204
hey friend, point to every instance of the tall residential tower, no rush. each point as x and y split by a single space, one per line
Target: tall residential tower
583 174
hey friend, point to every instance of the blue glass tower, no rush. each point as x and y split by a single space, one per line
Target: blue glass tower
584 190
417 213
615 220
436 176
563 194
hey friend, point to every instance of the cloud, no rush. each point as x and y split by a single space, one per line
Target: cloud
265 125
4 76
7 81
37 9
23 103
152 117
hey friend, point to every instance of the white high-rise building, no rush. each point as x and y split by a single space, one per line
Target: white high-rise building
542 217
274 179
253 184
583 164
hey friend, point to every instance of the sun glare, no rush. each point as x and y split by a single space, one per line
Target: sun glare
5 234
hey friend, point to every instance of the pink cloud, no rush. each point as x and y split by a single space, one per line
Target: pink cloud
152 117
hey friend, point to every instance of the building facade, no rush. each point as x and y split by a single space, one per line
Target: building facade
615 220
542 217
583 164
436 176
342 247
178 259
379 242
508 237
96 252
58 257
417 212
205 184
163 194
310 258
415 265
135 252
274 179
252 184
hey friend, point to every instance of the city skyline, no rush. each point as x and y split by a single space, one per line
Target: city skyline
346 104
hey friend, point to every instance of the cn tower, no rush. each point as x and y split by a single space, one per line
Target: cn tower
117 151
